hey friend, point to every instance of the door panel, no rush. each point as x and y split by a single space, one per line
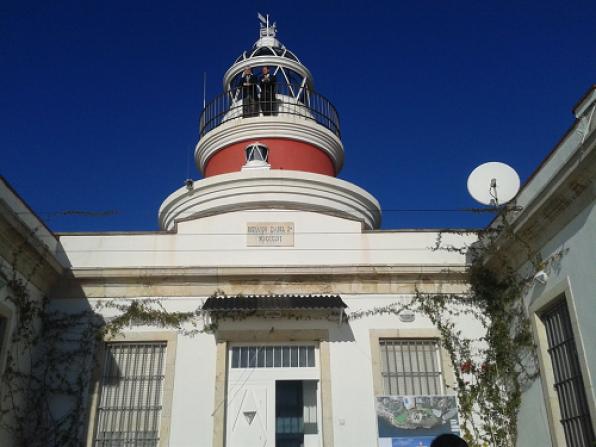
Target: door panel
249 417
311 417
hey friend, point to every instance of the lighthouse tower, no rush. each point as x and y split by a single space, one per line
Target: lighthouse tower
289 318
273 144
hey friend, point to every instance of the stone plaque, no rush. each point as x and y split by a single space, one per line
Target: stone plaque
270 234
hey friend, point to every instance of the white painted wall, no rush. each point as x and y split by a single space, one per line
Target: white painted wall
532 418
219 241
353 400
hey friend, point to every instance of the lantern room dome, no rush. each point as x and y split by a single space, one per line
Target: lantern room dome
257 51
270 52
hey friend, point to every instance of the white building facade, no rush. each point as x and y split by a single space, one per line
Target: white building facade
204 391
294 339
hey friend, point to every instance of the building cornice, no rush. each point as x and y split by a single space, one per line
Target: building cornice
27 246
263 271
571 180
204 281
569 190
26 255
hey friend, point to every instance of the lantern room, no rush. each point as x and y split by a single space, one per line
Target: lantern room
269 96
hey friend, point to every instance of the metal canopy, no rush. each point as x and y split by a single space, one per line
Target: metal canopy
274 302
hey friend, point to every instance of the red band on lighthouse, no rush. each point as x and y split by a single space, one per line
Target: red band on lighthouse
283 154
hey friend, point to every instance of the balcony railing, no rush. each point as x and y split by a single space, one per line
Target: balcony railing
289 99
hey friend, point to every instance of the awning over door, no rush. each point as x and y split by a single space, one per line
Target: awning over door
274 303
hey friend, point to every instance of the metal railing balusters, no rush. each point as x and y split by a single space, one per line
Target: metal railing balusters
294 100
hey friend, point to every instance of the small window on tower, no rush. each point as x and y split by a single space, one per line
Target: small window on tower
257 152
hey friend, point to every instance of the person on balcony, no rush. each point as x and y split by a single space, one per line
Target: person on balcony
249 94
267 84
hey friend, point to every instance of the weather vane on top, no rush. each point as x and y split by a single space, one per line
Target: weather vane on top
266 29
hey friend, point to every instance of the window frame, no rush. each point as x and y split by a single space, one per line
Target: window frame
377 335
256 152
561 290
434 369
567 371
7 313
168 337
313 348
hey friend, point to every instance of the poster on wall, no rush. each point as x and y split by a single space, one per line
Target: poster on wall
414 421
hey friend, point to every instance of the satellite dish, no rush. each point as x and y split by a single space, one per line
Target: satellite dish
493 183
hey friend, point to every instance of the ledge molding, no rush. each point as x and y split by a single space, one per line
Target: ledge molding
275 189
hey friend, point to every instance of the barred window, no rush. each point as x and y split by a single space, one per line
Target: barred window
411 367
575 415
130 403
292 356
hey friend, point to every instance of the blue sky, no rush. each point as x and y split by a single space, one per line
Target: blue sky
100 100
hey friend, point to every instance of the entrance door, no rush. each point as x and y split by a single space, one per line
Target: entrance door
272 406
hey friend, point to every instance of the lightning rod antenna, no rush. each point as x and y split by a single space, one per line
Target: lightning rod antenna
204 89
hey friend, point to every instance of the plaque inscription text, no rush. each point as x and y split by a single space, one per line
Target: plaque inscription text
270 234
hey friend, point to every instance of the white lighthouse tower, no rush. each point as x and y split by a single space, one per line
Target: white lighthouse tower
269 147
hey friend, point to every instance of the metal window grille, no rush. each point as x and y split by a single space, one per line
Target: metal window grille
411 367
575 415
273 356
129 409
3 335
